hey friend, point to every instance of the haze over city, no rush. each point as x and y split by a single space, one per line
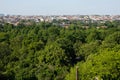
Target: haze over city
60 7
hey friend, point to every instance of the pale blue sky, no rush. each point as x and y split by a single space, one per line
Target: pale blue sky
60 7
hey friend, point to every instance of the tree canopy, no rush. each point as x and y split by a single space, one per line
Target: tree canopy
48 51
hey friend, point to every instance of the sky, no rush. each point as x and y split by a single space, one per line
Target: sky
60 7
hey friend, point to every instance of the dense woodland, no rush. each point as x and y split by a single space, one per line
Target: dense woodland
44 51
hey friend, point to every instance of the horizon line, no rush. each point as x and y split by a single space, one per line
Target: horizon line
5 14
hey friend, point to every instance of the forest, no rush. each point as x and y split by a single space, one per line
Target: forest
45 51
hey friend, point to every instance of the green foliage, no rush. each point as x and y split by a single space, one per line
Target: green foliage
47 51
93 35
52 54
112 40
4 50
87 49
105 65
3 36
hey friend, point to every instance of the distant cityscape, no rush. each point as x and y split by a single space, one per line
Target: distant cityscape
15 19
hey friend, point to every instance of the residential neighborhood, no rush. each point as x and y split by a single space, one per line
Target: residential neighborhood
15 19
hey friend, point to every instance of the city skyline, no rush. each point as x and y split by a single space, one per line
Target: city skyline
54 7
